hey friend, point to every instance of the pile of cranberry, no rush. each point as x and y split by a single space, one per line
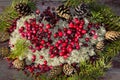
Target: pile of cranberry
61 43
40 35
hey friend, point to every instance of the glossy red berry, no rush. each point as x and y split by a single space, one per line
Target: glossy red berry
37 11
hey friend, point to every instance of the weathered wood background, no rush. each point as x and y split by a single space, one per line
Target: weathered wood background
10 74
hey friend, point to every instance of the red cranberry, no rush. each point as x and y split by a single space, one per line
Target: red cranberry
59 41
80 26
33 50
71 25
64 44
41 57
55 35
42 42
56 44
52 56
86 39
76 21
77 47
69 32
48 26
61 53
65 29
69 49
33 58
83 31
45 62
60 34
37 11
93 32
65 56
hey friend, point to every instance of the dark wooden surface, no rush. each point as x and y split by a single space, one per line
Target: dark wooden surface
10 74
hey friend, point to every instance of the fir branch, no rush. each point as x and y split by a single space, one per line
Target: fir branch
92 71
74 3
103 14
9 14
111 50
20 47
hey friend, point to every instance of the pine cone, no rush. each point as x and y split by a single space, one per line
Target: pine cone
82 10
69 70
23 9
63 12
55 71
4 51
100 45
112 35
4 36
19 64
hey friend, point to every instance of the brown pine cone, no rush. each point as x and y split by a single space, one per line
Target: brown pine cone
54 72
112 35
19 64
4 36
68 69
4 51
23 9
100 45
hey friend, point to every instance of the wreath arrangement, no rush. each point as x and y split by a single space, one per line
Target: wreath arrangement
76 41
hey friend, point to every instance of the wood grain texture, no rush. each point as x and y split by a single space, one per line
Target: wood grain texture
11 74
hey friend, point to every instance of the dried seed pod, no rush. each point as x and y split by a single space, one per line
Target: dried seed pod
55 71
4 51
68 69
19 64
112 35
4 36
100 45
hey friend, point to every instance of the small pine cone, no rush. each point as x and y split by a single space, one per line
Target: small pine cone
4 51
4 36
112 35
100 45
69 70
54 72
82 10
19 64
23 9
63 12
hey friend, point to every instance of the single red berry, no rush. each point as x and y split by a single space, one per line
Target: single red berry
52 56
60 34
37 11
83 31
71 25
48 26
45 62
55 35
41 57
87 39
93 32
69 32
61 53
69 49
33 58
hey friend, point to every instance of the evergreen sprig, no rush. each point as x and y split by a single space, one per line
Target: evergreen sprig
111 50
9 14
20 47
74 3
103 14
